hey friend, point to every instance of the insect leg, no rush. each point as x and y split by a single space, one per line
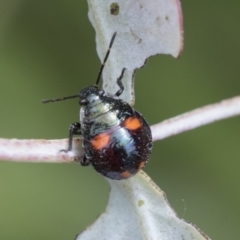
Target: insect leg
84 161
74 129
119 83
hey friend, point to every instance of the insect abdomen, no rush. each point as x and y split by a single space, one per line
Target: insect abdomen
122 150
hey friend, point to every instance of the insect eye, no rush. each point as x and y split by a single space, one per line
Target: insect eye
83 102
101 92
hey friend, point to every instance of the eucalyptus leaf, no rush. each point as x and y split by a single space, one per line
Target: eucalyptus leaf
138 209
144 28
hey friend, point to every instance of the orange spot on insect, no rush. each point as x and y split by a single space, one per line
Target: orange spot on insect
132 123
126 174
100 141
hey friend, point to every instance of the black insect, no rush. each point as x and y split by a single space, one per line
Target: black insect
117 140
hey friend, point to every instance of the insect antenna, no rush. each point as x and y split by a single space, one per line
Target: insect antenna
105 59
59 99
98 78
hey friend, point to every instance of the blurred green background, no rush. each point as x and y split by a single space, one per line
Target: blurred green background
47 49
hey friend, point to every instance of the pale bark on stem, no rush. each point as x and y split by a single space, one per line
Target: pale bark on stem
197 118
39 150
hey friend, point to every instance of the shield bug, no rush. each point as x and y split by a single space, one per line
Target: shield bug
117 140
